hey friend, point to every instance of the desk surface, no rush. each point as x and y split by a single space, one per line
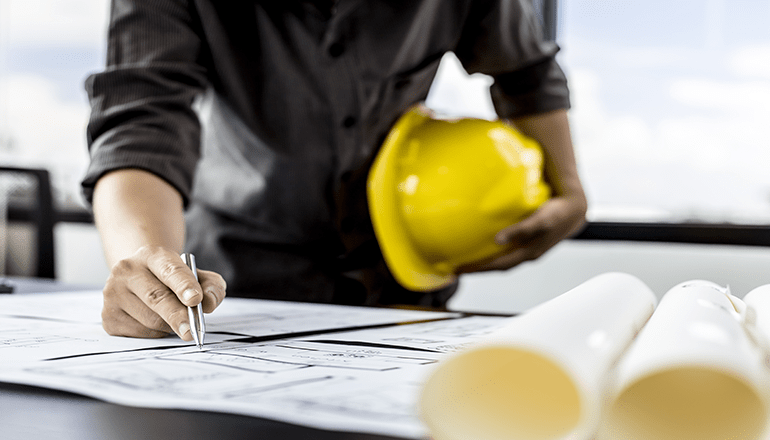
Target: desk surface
32 413
39 285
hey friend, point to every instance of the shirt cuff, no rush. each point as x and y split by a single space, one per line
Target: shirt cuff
538 88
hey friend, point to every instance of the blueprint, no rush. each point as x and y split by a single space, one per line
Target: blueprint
35 327
330 367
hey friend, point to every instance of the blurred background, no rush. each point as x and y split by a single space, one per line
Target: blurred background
671 103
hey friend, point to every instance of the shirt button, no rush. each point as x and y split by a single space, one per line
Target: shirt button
336 49
349 122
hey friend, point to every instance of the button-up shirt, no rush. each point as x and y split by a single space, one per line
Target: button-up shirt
265 115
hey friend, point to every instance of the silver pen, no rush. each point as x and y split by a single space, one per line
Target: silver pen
195 314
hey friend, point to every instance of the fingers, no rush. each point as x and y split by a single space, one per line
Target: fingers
170 270
214 289
554 220
507 261
530 238
117 322
208 289
527 231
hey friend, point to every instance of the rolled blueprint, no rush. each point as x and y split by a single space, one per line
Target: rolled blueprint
758 303
693 373
542 376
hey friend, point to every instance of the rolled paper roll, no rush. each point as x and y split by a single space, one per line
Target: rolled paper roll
693 373
543 375
758 316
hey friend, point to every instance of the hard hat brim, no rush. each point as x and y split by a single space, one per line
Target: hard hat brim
406 264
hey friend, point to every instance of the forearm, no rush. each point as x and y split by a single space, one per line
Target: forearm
552 131
134 208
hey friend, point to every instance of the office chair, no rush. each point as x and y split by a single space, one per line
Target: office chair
29 200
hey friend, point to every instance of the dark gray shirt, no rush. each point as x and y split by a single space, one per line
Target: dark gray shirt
266 115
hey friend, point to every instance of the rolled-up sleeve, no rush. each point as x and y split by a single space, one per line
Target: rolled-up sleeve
141 105
504 39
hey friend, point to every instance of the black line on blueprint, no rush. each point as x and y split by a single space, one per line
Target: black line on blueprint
370 344
278 386
256 339
292 335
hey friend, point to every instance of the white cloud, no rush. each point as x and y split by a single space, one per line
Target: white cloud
600 136
737 96
707 163
728 128
41 123
648 57
44 130
751 61
54 22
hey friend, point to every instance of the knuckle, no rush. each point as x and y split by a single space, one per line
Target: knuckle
177 317
173 273
109 293
167 270
109 324
121 269
157 295
156 323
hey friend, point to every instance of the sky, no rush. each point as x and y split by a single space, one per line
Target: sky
47 48
670 100
670 107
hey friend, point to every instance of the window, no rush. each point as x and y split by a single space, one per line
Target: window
47 49
671 101
671 107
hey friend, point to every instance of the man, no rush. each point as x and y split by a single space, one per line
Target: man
257 122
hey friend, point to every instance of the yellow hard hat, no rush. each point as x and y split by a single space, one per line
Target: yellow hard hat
440 190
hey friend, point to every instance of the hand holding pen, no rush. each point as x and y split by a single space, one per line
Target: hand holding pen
147 296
